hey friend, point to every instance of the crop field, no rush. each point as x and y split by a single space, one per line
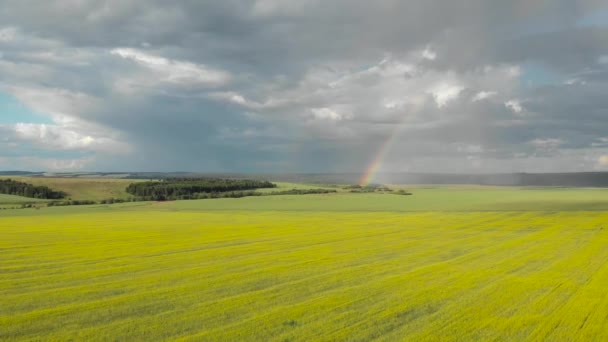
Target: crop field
481 264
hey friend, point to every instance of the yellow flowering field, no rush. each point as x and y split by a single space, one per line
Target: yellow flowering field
157 272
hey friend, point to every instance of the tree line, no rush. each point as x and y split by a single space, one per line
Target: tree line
13 187
202 195
189 188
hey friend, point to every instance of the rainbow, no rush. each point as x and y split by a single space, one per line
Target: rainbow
376 162
374 165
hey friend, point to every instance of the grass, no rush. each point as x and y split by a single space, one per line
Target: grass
444 264
424 199
100 188
11 199
282 186
83 188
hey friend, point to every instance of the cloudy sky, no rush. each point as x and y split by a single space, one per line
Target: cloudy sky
304 85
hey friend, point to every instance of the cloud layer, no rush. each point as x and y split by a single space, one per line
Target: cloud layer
306 86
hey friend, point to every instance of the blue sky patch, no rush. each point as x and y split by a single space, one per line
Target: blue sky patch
597 18
13 111
536 75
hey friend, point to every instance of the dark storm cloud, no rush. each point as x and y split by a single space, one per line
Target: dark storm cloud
273 85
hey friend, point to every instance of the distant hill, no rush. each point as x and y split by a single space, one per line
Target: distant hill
576 179
580 179
19 173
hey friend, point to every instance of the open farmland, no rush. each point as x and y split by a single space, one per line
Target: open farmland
82 188
321 267
12 201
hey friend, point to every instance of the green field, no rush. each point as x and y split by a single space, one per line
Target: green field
96 189
11 201
448 263
93 189
15 199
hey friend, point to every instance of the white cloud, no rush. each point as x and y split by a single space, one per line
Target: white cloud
7 34
429 54
547 144
236 98
575 81
160 86
231 96
69 131
482 95
61 104
600 142
393 90
394 103
514 105
326 114
445 92
174 71
56 137
514 71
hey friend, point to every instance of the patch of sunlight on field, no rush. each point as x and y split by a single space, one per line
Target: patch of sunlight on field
148 274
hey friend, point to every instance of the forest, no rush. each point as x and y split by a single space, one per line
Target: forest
184 188
13 187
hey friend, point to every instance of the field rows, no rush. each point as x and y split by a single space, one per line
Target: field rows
300 276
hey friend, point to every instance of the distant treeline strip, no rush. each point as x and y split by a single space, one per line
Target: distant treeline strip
203 195
187 188
13 187
228 194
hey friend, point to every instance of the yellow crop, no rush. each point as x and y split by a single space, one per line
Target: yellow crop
304 276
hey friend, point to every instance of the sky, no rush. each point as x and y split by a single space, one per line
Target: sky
282 86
